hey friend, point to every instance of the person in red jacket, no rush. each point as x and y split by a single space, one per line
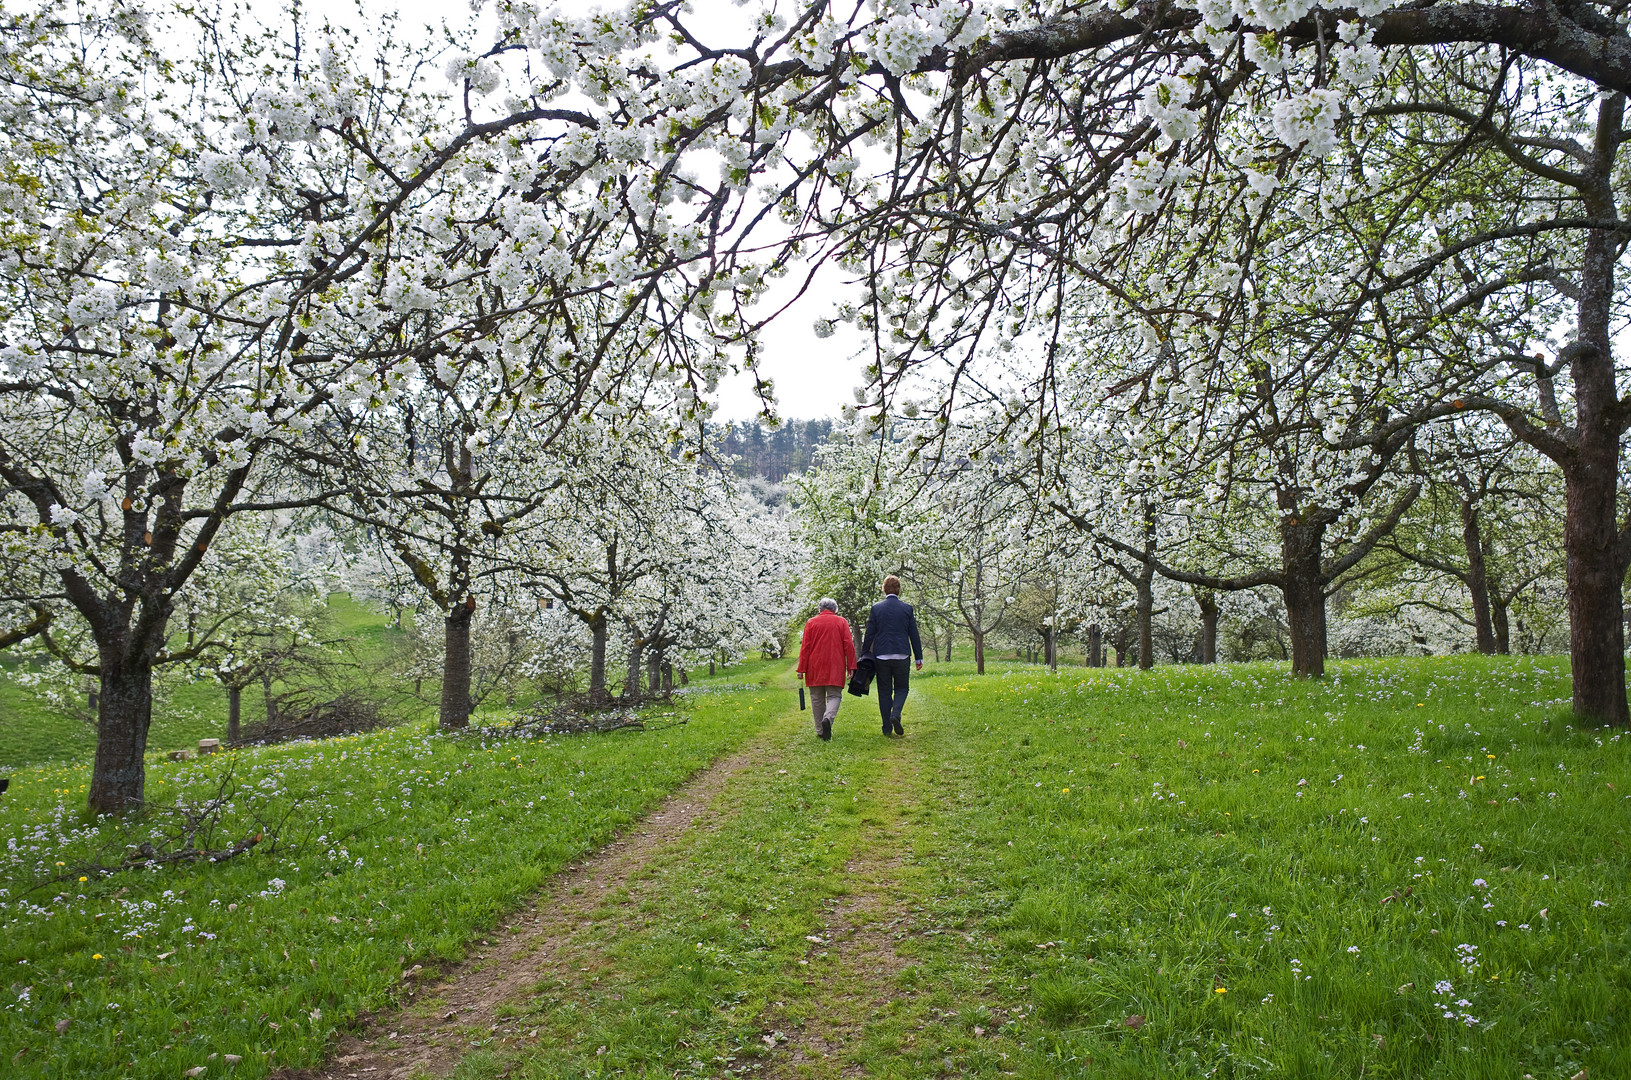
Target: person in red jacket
826 661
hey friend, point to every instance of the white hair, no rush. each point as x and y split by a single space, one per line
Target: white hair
827 603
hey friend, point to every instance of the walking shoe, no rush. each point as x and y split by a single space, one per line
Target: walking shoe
900 731
826 729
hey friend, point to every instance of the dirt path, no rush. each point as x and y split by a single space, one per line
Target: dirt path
462 1007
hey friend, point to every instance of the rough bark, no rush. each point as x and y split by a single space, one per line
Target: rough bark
124 714
235 696
1477 578
1208 603
597 658
1303 588
456 668
1095 646
979 652
1590 534
637 655
1592 472
1498 621
1051 649
1146 607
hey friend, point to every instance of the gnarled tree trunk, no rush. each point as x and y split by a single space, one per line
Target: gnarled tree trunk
1208 603
1300 547
1590 535
598 633
123 715
1498 622
1146 607
637 654
456 667
1477 578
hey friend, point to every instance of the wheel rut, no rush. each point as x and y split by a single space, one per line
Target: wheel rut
855 958
459 1009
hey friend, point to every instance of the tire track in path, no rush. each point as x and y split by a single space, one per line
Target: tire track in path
856 965
462 1008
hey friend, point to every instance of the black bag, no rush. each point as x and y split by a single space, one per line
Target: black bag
860 684
801 699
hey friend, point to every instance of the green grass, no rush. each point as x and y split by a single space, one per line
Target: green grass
1227 829
1044 858
1073 851
399 847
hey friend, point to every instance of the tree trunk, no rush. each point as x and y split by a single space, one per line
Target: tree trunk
637 652
1300 545
1095 646
668 677
1051 649
456 668
118 778
979 653
597 659
1477 578
1146 635
1596 633
1497 618
1591 470
654 670
948 643
235 696
1208 602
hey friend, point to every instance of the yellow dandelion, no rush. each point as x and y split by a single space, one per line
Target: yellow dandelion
96 956
1219 990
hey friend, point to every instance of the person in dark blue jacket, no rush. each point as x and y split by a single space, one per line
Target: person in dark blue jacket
891 640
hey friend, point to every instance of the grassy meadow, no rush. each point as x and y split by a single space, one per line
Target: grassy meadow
1410 868
396 848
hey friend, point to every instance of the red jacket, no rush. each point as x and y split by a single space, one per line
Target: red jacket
826 650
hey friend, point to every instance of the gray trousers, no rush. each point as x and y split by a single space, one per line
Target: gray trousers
824 702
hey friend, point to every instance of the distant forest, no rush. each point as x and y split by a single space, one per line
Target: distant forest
777 454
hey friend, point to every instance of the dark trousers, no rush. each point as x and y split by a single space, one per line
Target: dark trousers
894 679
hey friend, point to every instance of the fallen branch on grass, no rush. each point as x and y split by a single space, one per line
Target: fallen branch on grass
176 835
573 718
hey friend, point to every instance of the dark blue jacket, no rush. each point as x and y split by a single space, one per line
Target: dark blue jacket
891 628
